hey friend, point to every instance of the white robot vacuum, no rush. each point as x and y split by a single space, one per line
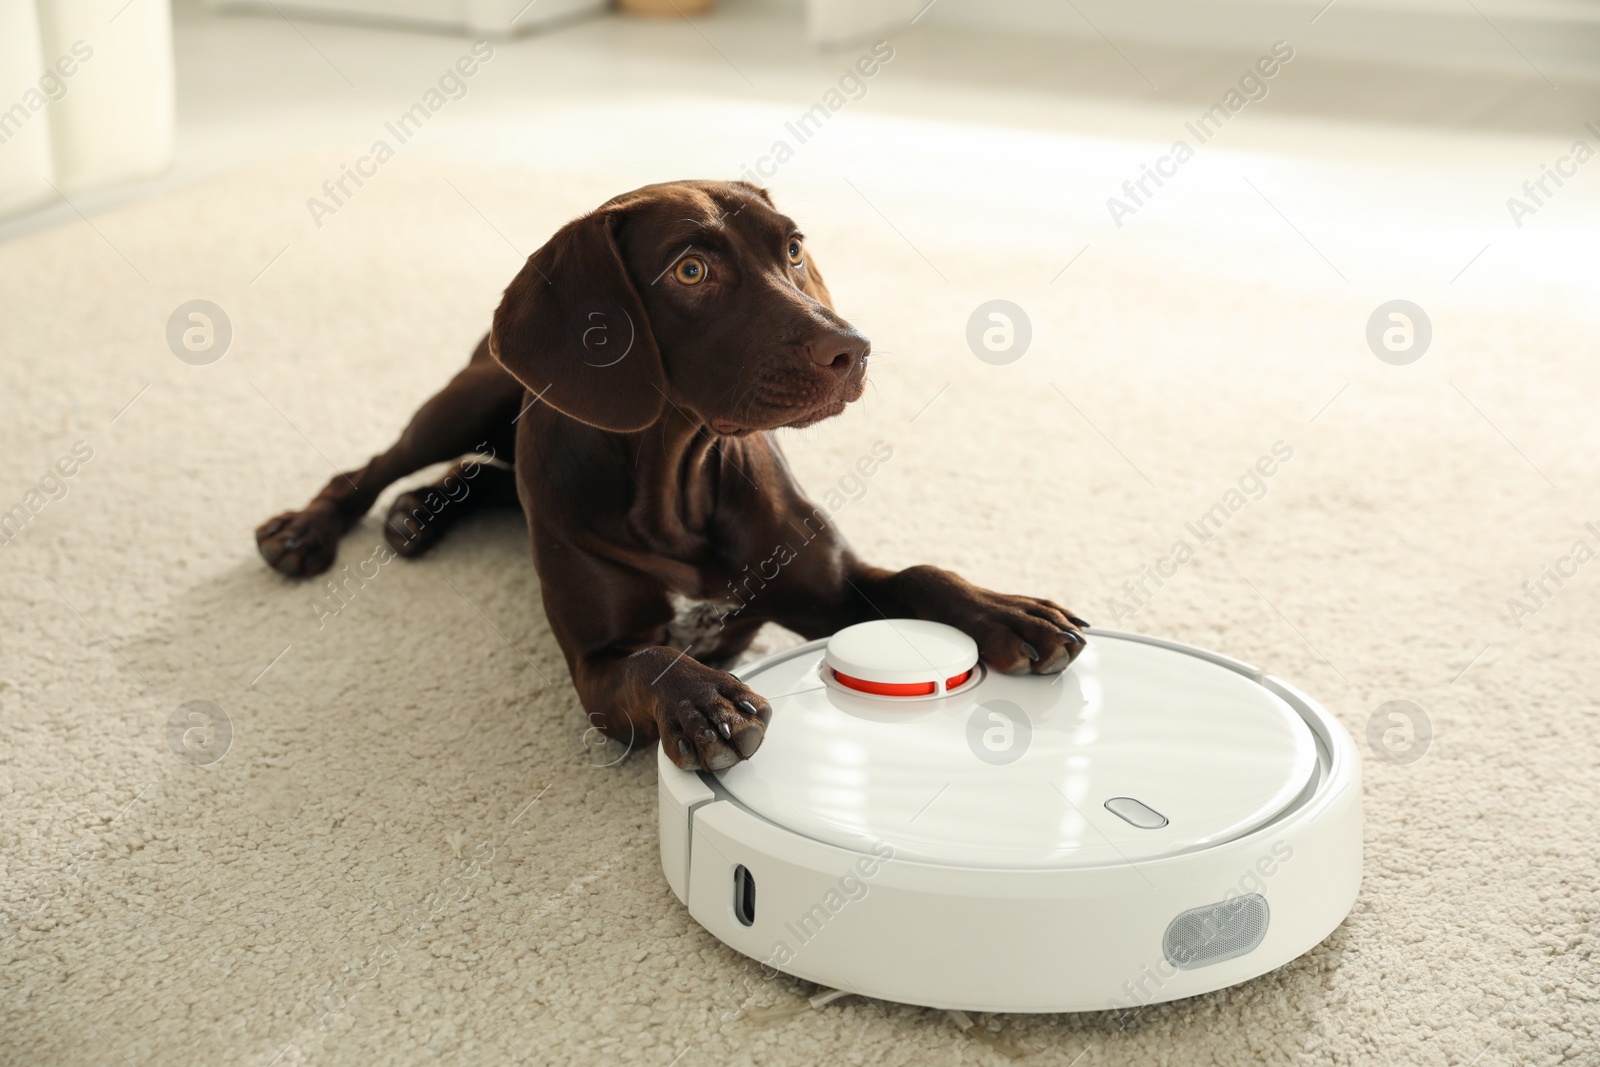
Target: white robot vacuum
1156 822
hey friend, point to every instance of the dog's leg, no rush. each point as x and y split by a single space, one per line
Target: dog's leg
611 622
706 719
419 517
476 407
1015 634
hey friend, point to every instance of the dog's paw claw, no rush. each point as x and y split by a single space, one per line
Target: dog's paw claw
1021 635
715 720
763 713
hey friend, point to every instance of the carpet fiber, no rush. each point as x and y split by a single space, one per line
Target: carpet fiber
406 854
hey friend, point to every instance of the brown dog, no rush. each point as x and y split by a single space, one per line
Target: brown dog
634 372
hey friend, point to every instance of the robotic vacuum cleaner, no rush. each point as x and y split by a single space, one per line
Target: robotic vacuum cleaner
1156 822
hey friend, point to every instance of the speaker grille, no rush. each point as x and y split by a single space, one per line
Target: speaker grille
1200 937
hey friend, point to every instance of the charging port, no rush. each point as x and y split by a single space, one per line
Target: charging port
744 896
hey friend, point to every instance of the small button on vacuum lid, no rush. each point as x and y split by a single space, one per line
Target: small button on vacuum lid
901 658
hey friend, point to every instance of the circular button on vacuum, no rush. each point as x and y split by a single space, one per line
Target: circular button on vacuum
901 658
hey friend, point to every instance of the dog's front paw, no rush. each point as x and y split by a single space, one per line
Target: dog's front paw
410 528
300 543
709 720
1020 634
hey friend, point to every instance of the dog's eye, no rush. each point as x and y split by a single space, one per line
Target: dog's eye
691 270
796 252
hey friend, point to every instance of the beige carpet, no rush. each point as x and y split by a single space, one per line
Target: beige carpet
405 857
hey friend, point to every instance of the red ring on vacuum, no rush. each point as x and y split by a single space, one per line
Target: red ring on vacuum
887 689
898 689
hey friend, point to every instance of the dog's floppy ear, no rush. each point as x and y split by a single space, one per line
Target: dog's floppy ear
571 327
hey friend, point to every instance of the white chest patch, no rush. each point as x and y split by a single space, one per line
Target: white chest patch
696 624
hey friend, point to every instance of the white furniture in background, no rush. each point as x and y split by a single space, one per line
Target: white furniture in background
24 134
489 18
1551 37
86 97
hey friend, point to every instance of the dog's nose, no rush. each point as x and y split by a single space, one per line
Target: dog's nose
841 351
